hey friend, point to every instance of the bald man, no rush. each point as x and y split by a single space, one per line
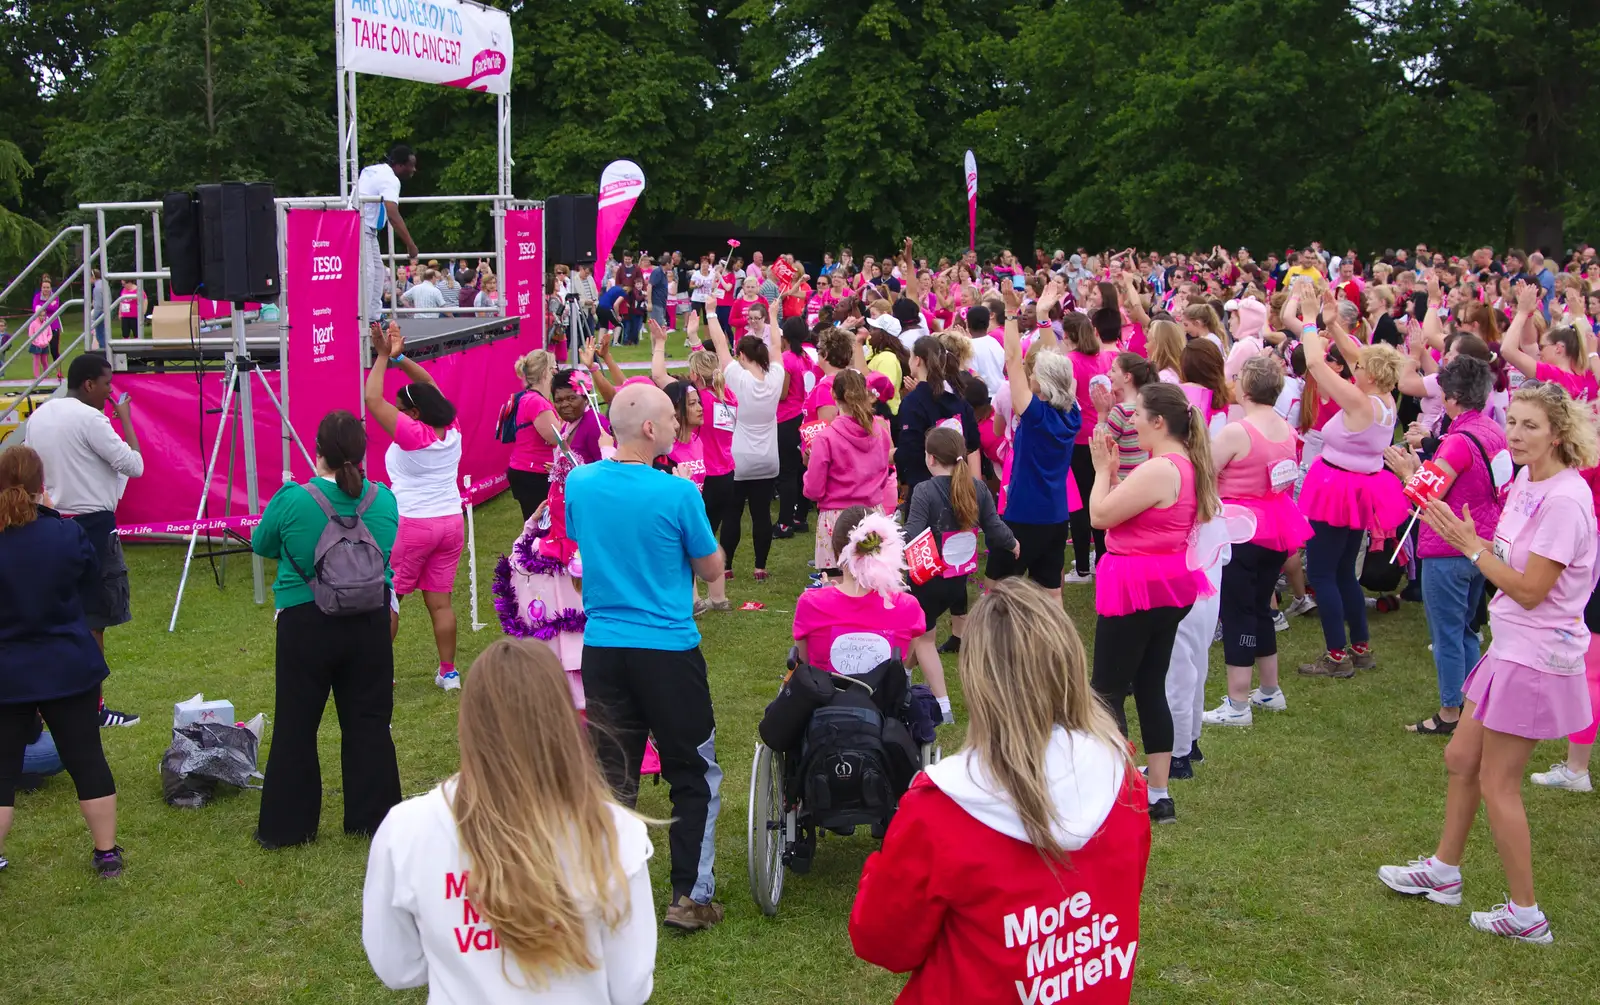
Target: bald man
642 534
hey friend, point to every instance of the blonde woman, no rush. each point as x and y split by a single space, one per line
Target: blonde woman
519 879
1530 684
1164 350
1201 321
1043 803
536 423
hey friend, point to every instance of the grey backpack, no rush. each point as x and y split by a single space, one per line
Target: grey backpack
351 575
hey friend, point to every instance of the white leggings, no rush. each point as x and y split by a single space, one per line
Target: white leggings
1186 676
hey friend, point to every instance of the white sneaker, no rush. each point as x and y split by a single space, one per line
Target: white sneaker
1274 703
1074 577
1226 715
1417 878
448 681
1280 623
1501 921
1301 605
1561 777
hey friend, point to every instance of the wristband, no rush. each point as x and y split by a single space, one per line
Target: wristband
1042 325
398 359
1308 329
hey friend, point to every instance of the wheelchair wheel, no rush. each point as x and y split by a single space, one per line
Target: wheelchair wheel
931 754
768 829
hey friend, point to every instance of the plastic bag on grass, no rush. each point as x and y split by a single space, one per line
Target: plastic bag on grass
205 753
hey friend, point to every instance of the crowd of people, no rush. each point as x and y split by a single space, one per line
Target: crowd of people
1209 444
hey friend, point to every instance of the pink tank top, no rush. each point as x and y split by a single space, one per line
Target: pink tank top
1252 475
1360 452
1159 531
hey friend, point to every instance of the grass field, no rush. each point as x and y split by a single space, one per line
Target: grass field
1263 893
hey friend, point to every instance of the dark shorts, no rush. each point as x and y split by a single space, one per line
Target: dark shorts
109 602
1043 554
940 595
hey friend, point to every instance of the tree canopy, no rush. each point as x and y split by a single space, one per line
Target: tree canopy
1370 123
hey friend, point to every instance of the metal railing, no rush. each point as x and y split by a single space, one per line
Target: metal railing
77 227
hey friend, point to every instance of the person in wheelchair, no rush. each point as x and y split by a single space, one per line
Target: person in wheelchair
869 617
1015 867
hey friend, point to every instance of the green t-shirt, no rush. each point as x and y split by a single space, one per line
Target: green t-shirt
293 522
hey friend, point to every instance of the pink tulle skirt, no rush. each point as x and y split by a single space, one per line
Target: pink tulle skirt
1375 503
1280 526
1126 584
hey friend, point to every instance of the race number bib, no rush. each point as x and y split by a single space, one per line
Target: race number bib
722 417
856 653
1283 475
1502 549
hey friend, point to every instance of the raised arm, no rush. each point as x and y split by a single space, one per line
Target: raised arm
378 406
908 270
1349 397
1016 374
658 354
1511 345
1349 347
1432 329
719 339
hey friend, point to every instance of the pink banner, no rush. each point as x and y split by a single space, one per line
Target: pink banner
523 281
971 166
206 527
323 295
621 184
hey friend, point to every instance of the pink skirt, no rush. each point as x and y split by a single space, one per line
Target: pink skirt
1280 526
1375 503
1519 700
1125 584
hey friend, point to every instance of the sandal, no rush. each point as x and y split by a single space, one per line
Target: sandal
1433 726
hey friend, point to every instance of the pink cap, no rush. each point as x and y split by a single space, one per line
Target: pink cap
880 385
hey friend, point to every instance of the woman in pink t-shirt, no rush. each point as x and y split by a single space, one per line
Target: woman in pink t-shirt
796 368
536 424
744 310
1091 357
1530 685
869 617
715 433
687 460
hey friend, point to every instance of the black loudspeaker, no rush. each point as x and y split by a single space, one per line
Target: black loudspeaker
180 241
569 222
223 244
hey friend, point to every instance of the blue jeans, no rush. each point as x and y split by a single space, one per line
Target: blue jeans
1331 569
40 757
631 326
1451 589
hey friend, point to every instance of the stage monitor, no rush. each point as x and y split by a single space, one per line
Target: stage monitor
221 241
570 228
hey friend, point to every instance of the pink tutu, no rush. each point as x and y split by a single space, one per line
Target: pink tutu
1280 526
1127 584
1375 503
1519 700
537 597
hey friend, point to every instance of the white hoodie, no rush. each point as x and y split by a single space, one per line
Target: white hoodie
419 928
1084 776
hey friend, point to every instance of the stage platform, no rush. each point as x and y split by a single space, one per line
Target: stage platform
426 338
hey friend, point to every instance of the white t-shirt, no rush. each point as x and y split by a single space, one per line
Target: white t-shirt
86 464
989 362
423 469
701 283
419 927
909 336
755 431
377 180
1288 403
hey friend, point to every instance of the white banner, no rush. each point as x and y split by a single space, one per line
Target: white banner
447 42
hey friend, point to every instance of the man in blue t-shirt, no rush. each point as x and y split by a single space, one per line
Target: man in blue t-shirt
657 278
642 667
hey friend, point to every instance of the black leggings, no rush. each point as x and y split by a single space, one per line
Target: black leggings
717 494
1247 584
790 468
349 656
74 723
1078 520
529 489
1137 649
757 493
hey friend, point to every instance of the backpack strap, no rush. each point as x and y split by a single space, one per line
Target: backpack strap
320 497
1488 469
366 500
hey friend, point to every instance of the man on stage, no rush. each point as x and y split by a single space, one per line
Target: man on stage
382 181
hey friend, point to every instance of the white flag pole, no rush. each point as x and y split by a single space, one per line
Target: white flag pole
472 557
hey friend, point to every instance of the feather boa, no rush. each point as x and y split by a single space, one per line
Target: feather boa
540 623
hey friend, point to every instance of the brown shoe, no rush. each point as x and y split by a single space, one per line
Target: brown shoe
1362 661
689 916
1327 666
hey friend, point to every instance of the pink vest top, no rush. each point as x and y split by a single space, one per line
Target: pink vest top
1251 475
1359 452
1159 531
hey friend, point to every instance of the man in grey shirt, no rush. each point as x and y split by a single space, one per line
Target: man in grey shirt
425 294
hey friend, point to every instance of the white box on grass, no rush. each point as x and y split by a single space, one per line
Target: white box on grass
197 709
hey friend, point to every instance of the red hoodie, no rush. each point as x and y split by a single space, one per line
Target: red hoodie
977 915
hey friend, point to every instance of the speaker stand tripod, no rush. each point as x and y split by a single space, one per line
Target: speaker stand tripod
240 367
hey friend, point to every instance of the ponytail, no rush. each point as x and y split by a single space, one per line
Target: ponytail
851 394
342 446
703 365
932 353
1198 445
949 448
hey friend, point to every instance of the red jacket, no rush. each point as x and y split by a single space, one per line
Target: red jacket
979 917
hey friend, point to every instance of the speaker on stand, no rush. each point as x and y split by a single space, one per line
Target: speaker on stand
569 222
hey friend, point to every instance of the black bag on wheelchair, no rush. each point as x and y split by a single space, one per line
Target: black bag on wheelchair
846 775
805 689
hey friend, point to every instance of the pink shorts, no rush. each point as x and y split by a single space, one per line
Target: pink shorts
426 552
